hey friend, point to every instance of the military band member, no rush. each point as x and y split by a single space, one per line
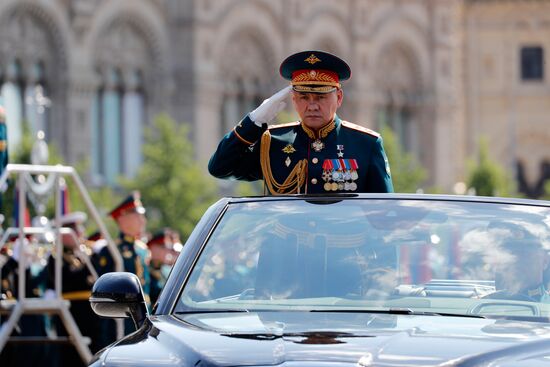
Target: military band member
77 281
320 153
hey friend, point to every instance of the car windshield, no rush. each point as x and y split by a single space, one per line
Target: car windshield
375 255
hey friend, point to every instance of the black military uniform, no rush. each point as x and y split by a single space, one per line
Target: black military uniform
293 158
77 282
28 325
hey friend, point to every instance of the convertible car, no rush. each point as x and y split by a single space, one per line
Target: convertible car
346 280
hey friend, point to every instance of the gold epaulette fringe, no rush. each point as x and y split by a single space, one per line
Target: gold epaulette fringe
295 179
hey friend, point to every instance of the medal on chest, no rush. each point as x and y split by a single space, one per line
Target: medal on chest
340 174
317 145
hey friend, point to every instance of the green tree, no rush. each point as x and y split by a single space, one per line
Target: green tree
487 177
407 173
174 189
546 195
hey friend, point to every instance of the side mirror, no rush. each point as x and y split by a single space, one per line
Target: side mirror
119 295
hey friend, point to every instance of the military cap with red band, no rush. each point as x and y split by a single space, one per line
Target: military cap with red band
314 71
159 239
95 236
129 205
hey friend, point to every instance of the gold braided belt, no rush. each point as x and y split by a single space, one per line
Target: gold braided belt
295 179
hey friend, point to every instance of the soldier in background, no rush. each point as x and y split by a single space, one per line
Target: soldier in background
129 216
157 246
28 325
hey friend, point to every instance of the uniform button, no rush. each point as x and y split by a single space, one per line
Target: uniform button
314 181
315 160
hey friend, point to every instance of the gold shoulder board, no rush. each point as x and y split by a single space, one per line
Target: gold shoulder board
363 129
288 124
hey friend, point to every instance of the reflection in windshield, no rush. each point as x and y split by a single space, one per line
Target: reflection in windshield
447 257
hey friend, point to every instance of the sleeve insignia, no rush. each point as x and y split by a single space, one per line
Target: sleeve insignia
102 261
363 129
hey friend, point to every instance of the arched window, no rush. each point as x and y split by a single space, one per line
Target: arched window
119 104
400 93
31 55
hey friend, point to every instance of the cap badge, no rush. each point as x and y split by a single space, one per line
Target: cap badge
289 149
312 59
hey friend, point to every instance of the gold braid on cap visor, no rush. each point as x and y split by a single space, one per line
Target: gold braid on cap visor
295 179
314 81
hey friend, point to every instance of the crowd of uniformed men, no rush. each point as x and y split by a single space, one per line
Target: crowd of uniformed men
149 256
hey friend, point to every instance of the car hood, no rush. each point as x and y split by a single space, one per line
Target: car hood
361 339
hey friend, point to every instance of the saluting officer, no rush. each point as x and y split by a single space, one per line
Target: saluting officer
320 153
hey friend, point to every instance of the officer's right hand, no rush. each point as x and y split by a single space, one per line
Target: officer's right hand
268 110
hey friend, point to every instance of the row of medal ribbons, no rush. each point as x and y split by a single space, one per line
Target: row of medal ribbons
340 174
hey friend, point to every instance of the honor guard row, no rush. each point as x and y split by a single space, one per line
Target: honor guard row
320 153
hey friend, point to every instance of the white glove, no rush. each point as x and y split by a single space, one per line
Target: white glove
268 110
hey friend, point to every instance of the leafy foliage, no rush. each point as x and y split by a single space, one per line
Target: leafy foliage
487 177
407 173
546 195
174 189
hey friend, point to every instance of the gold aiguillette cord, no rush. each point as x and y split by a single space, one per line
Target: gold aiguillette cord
295 179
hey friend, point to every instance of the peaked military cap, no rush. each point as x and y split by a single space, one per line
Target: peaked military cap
314 71
159 238
73 218
95 236
129 205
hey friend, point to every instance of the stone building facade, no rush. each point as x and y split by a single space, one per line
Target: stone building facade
441 73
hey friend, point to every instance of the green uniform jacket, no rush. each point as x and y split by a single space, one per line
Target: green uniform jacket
345 157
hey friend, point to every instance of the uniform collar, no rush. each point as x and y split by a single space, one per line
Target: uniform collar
322 132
